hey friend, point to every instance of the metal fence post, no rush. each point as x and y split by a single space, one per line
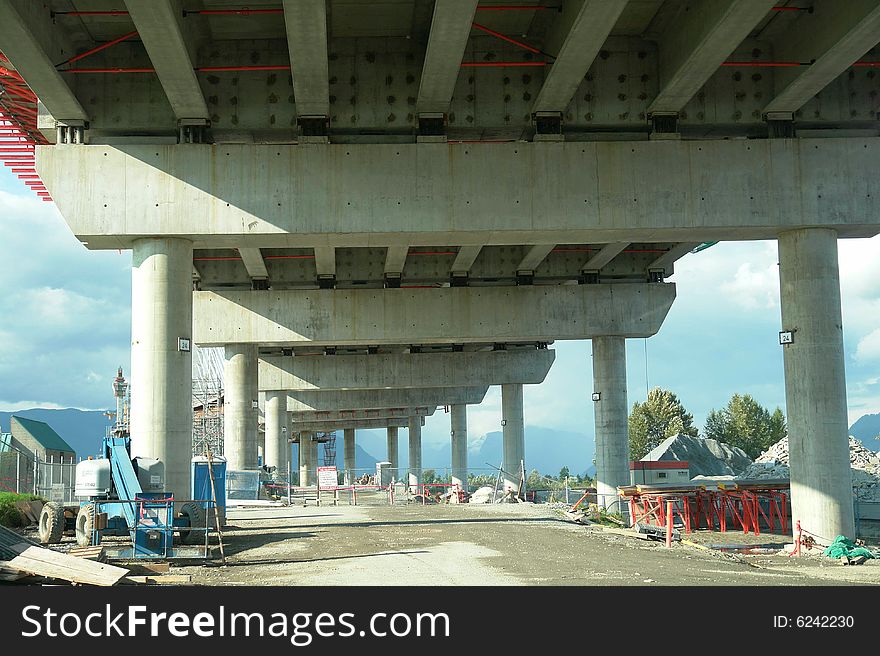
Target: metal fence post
17 472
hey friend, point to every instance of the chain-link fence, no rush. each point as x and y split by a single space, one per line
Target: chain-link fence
16 472
54 479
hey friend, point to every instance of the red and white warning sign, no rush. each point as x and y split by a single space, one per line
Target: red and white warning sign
327 478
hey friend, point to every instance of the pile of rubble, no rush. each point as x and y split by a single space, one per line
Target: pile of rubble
705 457
864 464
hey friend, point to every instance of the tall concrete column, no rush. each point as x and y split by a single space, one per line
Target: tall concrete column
392 452
815 384
308 459
415 452
276 431
348 450
161 367
611 420
458 421
513 433
241 390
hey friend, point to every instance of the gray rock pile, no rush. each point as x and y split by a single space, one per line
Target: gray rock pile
705 457
864 465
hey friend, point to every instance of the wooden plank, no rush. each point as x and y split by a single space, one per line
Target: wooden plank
148 568
625 532
96 552
36 509
53 564
9 573
167 579
25 509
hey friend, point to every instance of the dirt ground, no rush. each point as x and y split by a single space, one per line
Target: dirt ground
486 545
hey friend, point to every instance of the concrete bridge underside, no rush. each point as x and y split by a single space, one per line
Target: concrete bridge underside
397 180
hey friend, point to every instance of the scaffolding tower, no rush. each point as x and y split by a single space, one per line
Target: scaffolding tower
207 399
329 448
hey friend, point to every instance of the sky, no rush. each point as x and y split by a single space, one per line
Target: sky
66 313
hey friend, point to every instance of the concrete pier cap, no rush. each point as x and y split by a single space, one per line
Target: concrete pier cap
405 370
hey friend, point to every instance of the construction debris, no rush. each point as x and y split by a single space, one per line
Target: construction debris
482 495
864 465
26 556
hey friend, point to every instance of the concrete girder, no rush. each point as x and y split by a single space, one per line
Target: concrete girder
395 259
26 39
534 257
356 424
346 415
579 192
325 260
253 261
306 22
578 35
159 24
387 371
446 315
697 45
365 399
450 29
465 259
666 261
836 36
604 256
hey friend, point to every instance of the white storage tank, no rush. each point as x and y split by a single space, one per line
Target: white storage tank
151 474
93 478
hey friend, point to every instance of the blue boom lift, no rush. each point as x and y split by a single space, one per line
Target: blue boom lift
125 496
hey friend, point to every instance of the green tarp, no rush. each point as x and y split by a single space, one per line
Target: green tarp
843 546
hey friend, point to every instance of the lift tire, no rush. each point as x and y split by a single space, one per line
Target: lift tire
196 515
51 525
85 522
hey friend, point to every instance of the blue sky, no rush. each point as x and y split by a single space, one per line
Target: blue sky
65 327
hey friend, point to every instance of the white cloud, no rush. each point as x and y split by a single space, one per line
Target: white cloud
754 287
6 406
66 310
868 349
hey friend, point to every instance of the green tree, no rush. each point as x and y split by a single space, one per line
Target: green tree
662 415
745 423
564 473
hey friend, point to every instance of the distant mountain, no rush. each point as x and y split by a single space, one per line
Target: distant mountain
867 429
83 430
547 450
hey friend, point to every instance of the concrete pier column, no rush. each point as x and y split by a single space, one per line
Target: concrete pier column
611 420
308 459
415 452
392 452
240 389
161 366
513 433
348 451
815 385
458 421
277 448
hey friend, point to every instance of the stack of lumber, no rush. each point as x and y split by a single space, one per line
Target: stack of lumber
20 555
96 553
